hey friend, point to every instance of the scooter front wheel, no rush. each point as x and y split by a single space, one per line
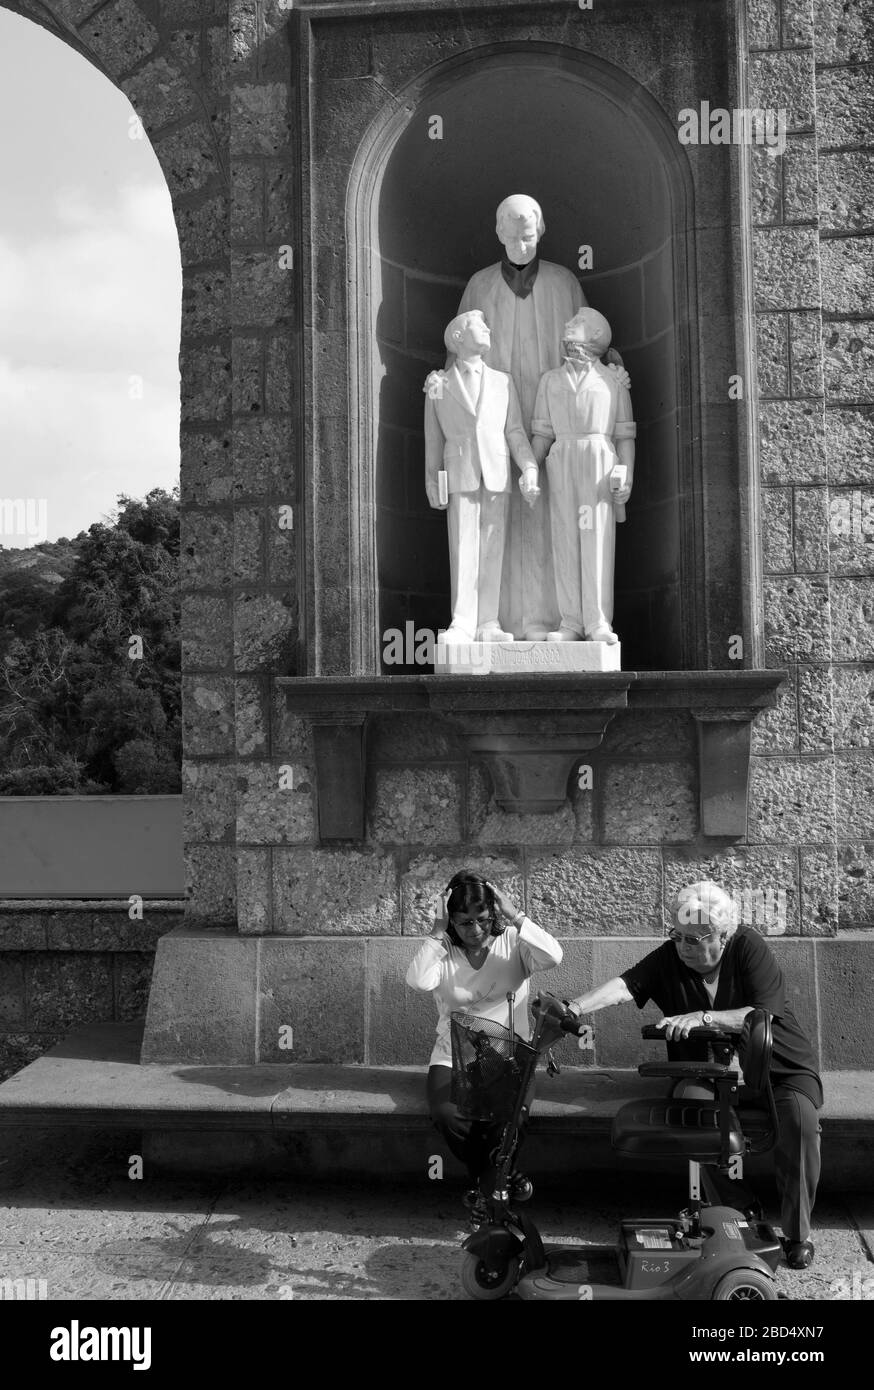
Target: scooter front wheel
481 1282
745 1284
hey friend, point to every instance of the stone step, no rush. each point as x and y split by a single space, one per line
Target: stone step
378 1115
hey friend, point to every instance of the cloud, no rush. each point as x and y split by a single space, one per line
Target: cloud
92 301
78 440
90 288
94 287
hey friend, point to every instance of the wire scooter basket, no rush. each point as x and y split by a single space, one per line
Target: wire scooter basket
488 1066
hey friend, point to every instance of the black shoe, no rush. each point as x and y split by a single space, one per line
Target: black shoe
799 1253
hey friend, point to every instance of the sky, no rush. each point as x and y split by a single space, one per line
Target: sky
90 295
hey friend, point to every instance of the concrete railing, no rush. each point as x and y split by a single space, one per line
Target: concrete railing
91 847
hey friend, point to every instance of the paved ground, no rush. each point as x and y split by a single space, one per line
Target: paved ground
71 1215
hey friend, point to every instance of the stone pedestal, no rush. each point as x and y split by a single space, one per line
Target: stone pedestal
484 658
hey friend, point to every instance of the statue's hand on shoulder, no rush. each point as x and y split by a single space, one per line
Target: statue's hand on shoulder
613 362
434 385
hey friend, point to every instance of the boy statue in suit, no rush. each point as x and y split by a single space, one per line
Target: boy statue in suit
473 425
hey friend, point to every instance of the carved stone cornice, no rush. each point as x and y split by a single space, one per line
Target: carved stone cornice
530 731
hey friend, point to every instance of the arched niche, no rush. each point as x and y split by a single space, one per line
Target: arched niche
604 162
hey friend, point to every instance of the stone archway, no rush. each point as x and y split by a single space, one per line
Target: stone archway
174 76
209 82
166 72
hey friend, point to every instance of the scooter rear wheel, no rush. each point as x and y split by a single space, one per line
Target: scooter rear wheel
745 1284
479 1282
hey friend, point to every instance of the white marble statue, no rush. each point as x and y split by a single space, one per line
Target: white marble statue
584 427
473 426
526 302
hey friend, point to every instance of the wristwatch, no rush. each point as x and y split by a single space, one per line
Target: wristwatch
706 1020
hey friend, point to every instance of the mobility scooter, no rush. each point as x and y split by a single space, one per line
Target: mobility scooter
706 1252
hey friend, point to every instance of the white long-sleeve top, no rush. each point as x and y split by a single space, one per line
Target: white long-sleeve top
446 971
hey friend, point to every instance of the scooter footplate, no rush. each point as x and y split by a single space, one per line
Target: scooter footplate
576 1266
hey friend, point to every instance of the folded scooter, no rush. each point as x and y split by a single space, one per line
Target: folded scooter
708 1251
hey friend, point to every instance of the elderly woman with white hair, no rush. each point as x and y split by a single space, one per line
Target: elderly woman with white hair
712 971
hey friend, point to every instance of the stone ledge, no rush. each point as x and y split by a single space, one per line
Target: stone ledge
747 689
64 925
94 1077
8 905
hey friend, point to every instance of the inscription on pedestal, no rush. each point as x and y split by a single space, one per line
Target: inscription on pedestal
481 658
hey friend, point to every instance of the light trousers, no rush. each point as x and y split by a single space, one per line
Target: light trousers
477 523
583 547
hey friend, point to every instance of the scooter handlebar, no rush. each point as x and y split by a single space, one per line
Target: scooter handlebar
701 1034
559 1012
571 1024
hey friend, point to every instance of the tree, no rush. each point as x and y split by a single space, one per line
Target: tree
73 705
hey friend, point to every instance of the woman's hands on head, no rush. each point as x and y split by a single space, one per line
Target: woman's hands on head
503 902
441 918
504 907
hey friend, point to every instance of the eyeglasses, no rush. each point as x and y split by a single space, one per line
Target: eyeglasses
689 940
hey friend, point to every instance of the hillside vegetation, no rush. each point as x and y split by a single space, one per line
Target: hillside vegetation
79 710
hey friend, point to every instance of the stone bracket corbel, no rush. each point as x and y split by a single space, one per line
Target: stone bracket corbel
339 741
529 767
724 739
529 731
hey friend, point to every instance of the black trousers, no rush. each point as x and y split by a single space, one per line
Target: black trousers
471 1141
796 1161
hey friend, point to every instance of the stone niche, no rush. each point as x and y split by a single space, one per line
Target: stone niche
397 198
580 109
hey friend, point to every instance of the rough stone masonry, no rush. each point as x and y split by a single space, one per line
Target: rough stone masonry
281 927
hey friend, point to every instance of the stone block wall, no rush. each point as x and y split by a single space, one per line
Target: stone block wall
844 67
793 788
212 81
64 964
604 866
814 267
343 999
332 929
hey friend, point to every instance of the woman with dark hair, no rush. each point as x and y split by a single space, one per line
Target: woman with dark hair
480 949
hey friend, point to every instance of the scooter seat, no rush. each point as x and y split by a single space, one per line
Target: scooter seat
674 1128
